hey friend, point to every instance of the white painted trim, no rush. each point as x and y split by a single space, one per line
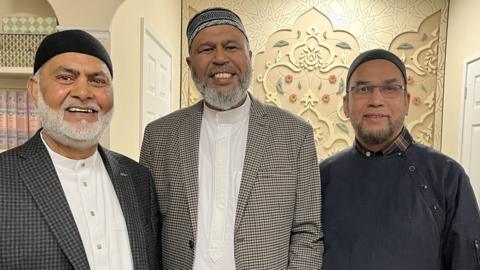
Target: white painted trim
96 32
466 62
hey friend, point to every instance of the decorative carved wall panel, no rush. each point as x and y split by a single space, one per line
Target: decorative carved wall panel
302 51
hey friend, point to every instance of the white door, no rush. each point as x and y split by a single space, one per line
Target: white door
156 78
470 153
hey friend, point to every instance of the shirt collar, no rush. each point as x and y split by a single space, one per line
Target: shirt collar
400 144
230 116
71 164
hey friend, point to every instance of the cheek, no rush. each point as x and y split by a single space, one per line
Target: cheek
200 66
105 99
55 97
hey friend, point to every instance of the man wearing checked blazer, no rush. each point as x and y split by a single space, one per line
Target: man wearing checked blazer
65 201
237 181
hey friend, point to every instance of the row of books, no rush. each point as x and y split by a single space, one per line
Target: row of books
18 118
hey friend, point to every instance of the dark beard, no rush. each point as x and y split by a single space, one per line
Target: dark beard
378 137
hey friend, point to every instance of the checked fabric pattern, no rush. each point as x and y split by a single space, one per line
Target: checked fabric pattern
277 224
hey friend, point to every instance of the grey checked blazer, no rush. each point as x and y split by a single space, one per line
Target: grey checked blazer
277 224
37 229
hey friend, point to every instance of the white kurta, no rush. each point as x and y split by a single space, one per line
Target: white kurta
96 210
223 139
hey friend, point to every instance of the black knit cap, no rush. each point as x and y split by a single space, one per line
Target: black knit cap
70 41
373 55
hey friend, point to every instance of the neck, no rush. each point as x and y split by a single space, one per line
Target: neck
68 151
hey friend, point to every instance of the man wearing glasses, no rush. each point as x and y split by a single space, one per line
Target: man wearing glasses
389 203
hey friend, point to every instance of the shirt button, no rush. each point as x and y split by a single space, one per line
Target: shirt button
82 165
435 207
85 184
411 168
368 154
99 246
424 186
92 213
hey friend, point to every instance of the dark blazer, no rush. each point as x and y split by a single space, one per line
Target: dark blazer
277 223
37 228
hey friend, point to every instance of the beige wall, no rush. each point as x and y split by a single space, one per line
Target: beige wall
25 8
164 18
84 13
463 41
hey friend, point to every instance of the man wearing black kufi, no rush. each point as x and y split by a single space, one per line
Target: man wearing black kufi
388 202
65 201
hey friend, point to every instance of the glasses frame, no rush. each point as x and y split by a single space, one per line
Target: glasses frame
354 90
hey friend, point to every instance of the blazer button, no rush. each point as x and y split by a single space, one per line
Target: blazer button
191 244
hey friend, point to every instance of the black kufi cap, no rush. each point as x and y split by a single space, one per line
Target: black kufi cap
210 17
373 55
70 41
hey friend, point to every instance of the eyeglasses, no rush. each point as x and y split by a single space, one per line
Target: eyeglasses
366 91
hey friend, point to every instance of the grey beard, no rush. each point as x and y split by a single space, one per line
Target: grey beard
223 100
66 133
379 137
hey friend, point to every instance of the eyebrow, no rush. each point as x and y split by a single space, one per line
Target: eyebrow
390 81
66 69
362 82
76 72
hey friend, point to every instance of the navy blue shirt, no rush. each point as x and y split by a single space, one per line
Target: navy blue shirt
406 207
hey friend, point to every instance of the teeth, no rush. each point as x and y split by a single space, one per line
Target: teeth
80 110
222 75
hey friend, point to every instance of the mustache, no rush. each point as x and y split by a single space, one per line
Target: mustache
90 104
223 69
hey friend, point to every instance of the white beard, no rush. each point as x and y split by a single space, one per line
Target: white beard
76 135
223 100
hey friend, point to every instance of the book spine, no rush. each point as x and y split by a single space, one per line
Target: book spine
3 120
11 118
33 118
22 117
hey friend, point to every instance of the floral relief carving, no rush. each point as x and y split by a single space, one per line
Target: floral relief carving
301 56
302 69
421 61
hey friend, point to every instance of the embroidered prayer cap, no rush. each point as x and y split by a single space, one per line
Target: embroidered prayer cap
210 17
77 41
373 55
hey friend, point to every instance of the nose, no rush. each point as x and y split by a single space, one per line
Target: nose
220 57
81 89
376 99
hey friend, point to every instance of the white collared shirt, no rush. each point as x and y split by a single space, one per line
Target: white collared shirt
223 139
96 210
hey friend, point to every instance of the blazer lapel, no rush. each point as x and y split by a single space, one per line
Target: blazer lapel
38 173
125 191
256 141
189 149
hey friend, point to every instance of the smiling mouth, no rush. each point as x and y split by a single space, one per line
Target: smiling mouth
375 115
222 75
81 110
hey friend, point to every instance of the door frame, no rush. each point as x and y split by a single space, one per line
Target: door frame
466 62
